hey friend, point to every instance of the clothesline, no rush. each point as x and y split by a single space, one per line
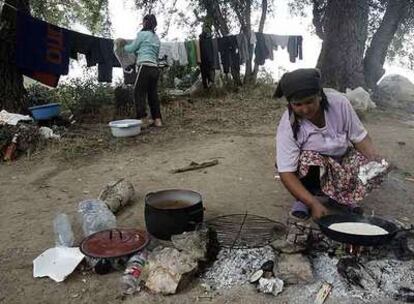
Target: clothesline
51 47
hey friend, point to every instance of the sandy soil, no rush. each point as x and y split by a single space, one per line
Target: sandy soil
238 132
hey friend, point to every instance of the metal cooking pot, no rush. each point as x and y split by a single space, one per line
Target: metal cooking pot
357 239
173 211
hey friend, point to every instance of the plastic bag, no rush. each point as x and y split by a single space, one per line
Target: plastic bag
95 216
63 231
360 99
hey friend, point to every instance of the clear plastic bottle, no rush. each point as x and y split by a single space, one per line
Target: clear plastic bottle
130 281
63 231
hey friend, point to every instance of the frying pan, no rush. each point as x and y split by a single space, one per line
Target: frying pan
356 239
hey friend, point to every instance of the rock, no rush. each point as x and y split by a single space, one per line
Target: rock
167 268
193 242
272 285
360 99
294 269
284 246
395 91
117 194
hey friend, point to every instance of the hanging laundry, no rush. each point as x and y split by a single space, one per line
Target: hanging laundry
42 49
106 60
191 52
127 60
198 55
175 52
216 56
243 47
229 53
182 54
279 40
207 58
261 52
295 48
98 51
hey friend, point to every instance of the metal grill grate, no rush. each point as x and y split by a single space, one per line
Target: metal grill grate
241 231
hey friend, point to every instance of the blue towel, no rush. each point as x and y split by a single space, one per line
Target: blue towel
41 47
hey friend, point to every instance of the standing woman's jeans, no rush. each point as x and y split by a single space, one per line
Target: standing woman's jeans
146 85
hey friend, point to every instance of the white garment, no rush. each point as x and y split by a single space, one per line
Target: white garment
125 59
7 118
166 50
182 53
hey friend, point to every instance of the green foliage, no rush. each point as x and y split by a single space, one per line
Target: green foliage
83 97
91 13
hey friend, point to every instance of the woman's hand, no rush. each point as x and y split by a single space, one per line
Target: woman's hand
318 210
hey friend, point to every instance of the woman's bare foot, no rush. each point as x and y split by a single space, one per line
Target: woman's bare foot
157 122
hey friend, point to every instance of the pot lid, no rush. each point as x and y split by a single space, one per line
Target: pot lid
114 243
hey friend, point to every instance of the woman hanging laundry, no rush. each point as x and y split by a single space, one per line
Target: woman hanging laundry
146 46
321 145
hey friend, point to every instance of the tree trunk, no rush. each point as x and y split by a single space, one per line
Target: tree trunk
12 92
261 27
377 51
345 33
247 30
214 12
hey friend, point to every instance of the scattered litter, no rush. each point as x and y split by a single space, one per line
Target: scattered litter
272 285
57 263
48 133
360 99
63 231
323 293
195 166
371 170
95 216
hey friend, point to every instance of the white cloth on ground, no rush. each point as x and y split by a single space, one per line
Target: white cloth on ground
7 118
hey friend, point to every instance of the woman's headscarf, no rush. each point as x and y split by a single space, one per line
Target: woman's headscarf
296 86
299 84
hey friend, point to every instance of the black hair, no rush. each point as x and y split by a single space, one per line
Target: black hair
150 23
294 121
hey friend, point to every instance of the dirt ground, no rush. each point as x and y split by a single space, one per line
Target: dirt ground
238 131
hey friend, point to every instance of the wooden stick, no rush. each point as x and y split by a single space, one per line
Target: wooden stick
409 179
196 166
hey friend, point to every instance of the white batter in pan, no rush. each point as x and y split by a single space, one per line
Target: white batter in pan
358 228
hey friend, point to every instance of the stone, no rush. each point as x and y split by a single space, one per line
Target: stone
167 269
395 91
294 269
271 285
284 246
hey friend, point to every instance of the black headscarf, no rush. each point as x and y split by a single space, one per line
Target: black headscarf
299 84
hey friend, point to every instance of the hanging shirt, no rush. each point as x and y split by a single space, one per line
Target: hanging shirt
191 53
146 46
295 48
42 49
342 127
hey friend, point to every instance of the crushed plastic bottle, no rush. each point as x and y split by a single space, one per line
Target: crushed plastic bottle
63 231
130 281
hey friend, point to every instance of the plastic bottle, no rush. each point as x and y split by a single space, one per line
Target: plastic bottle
63 231
130 281
11 149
